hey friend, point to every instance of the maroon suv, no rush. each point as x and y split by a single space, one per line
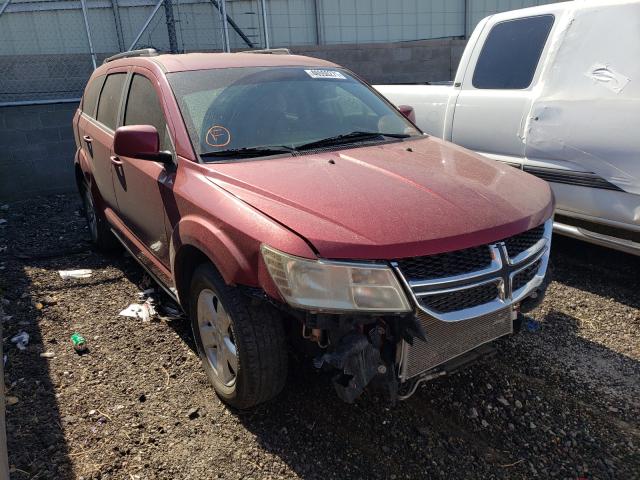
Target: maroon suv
283 202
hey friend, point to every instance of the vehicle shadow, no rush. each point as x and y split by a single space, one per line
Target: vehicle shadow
596 269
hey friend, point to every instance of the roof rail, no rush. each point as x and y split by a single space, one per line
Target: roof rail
270 51
145 52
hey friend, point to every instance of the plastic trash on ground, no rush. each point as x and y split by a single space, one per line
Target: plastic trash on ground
153 305
144 311
75 274
532 325
21 340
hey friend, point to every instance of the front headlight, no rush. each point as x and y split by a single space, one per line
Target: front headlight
334 286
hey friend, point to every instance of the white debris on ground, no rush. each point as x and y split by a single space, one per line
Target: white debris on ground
75 274
21 340
144 311
152 305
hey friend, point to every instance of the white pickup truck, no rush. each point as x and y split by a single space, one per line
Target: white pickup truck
554 90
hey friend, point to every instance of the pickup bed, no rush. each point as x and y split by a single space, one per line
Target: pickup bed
552 90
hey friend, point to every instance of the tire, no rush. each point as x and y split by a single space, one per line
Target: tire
99 230
225 321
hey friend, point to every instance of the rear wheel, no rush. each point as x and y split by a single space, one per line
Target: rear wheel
241 345
101 234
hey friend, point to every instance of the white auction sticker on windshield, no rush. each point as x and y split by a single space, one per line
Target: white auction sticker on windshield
325 74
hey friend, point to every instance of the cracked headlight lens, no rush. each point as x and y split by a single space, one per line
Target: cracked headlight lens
335 286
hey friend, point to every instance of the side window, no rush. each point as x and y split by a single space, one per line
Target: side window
110 100
143 108
90 98
511 52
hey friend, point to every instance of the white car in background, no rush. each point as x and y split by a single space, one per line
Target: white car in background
553 90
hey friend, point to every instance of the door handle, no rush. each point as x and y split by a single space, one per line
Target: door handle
87 139
116 161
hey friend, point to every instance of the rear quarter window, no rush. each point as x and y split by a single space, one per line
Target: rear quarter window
109 103
511 52
90 98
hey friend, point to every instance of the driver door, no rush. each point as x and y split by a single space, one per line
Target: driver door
142 186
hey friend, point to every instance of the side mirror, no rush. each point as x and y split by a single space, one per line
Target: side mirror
141 142
407 111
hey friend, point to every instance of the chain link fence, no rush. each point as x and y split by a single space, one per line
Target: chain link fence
48 48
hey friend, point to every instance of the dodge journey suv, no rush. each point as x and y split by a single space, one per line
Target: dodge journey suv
285 204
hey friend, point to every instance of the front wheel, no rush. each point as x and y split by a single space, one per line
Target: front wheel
242 346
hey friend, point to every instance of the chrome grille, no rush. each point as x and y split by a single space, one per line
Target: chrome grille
447 340
445 264
464 284
461 299
525 275
462 308
521 242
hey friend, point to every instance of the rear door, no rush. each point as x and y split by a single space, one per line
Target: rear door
97 135
142 186
497 91
87 113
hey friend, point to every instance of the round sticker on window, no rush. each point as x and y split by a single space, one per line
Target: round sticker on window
218 136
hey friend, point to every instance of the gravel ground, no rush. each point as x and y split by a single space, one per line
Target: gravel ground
560 401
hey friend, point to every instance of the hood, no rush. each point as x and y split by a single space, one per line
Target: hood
394 200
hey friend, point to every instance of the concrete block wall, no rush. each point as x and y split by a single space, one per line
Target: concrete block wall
36 150
403 62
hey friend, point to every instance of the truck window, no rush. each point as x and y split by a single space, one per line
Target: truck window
90 98
511 52
110 100
143 108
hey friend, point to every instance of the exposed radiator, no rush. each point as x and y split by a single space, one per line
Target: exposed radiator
447 340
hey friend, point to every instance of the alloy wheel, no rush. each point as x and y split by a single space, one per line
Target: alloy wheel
214 326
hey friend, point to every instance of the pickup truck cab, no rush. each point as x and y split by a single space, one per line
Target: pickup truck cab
278 199
552 90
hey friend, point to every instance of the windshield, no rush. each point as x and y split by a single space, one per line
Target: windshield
259 111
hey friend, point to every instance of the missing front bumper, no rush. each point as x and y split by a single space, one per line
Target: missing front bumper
448 340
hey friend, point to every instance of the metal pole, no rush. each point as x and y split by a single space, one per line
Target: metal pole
466 19
4 6
264 24
146 24
171 26
225 26
317 19
118 22
234 25
4 460
86 26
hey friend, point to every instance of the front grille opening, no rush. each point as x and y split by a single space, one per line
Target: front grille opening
524 276
519 243
461 299
445 264
447 340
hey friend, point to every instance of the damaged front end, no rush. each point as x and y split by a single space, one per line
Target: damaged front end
362 349
395 325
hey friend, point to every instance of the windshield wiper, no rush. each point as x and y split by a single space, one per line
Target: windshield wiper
348 138
248 152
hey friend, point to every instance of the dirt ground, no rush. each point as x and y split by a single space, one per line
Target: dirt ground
559 400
